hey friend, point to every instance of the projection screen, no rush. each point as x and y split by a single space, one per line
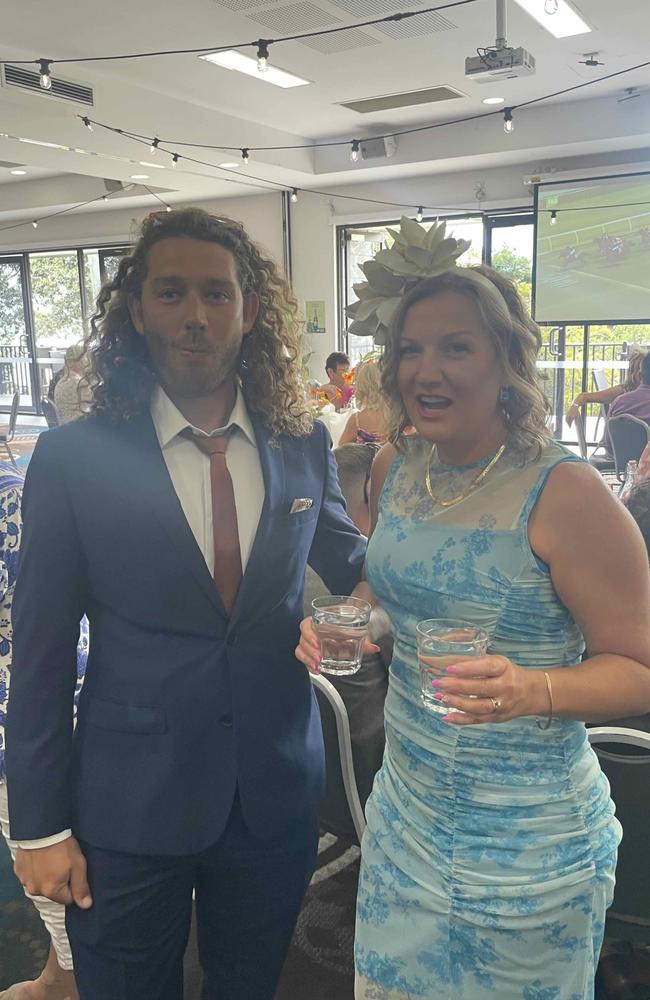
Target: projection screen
592 250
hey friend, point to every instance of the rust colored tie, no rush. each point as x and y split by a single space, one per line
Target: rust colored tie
227 556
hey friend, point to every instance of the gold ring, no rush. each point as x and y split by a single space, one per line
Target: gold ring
496 704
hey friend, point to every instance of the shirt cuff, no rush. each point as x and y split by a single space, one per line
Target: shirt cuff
34 845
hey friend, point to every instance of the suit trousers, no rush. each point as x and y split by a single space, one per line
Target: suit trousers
130 944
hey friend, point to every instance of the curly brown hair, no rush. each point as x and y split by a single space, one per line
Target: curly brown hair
516 339
123 374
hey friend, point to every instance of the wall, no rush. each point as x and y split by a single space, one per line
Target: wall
261 215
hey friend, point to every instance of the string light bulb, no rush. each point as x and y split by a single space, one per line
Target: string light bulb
46 73
35 224
244 156
154 146
508 124
294 195
553 217
168 208
104 197
87 122
354 151
262 55
175 159
420 214
550 6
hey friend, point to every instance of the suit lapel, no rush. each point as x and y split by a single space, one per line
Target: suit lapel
271 454
152 484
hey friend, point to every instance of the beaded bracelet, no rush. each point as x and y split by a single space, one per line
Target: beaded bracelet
546 724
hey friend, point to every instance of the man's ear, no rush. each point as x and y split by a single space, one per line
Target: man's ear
134 305
250 311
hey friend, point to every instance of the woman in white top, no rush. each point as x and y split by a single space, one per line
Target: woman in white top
72 393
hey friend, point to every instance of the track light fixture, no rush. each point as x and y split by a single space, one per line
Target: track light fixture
46 73
262 55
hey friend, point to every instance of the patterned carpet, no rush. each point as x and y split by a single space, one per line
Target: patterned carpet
319 965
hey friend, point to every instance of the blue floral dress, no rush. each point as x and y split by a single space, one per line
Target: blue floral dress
489 857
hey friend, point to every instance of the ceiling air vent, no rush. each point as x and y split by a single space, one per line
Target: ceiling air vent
431 96
29 79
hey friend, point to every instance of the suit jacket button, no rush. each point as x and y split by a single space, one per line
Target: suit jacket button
226 720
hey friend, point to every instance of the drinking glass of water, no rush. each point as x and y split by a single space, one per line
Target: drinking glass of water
441 642
341 625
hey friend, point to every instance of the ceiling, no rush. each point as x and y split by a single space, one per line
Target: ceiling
182 98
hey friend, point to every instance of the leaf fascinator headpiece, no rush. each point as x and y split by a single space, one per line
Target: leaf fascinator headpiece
415 254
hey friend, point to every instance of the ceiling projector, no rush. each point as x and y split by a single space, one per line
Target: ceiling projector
499 64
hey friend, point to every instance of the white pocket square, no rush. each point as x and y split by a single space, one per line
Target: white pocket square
301 503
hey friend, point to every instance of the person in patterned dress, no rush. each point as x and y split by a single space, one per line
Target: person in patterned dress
489 857
56 981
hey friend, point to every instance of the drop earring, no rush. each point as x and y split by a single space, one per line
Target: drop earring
504 395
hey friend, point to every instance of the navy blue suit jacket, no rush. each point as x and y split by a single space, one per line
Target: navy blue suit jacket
180 704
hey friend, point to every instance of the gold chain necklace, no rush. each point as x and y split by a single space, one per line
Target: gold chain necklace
472 486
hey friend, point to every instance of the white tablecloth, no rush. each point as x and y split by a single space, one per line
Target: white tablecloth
335 422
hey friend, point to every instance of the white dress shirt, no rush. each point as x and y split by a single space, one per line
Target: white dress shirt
189 470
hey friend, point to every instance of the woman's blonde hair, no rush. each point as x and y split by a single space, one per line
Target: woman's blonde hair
516 339
367 386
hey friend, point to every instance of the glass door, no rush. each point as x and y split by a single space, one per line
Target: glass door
17 373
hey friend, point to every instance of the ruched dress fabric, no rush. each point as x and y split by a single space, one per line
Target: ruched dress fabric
489 857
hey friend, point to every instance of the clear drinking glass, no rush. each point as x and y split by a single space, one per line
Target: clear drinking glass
441 642
341 624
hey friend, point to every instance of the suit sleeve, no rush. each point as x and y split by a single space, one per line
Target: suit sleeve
49 601
338 550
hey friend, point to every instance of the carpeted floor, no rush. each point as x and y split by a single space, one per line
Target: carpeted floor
319 965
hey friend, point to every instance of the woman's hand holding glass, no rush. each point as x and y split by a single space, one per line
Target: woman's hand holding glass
490 689
308 650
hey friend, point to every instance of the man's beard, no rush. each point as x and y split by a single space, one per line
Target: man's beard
218 365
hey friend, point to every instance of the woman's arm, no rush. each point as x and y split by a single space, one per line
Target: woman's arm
604 396
382 463
599 568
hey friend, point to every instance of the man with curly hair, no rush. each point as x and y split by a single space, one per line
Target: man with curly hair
180 516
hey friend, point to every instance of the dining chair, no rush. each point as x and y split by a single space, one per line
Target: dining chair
628 436
6 436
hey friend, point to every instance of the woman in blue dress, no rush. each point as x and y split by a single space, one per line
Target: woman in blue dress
489 856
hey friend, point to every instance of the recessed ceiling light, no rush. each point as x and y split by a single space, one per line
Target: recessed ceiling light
230 166
48 145
563 23
139 177
493 100
18 173
232 59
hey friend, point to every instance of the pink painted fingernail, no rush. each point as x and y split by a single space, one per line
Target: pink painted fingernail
436 684
451 669
438 696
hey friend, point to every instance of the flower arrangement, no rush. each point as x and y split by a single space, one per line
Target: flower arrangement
414 255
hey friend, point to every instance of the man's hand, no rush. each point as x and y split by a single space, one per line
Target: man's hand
57 872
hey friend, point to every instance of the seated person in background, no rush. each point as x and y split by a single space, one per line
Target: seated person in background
337 390
56 981
612 392
636 402
367 424
72 393
364 693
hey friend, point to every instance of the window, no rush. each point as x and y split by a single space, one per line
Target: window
46 300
